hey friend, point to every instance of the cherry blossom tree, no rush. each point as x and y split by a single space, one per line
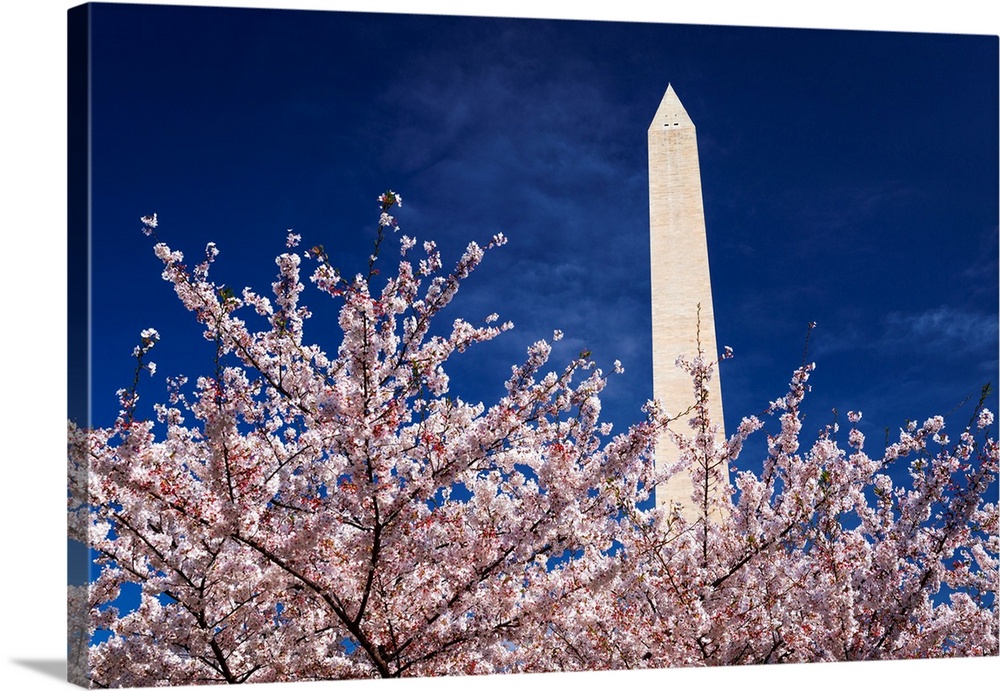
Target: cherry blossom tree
306 515
821 557
301 514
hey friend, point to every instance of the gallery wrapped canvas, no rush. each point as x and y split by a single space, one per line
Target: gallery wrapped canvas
396 345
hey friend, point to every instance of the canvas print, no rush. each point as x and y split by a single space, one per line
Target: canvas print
434 345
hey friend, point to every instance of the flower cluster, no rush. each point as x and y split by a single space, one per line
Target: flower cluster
386 202
149 224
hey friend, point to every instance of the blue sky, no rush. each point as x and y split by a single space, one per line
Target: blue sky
850 178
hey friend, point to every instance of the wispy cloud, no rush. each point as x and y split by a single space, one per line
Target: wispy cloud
941 332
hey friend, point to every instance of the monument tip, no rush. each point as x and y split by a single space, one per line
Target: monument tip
671 112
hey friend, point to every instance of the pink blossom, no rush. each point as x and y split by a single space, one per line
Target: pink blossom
985 419
149 224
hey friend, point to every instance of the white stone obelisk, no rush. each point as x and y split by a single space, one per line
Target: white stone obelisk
681 287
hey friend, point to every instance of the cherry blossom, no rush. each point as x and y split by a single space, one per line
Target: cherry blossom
301 511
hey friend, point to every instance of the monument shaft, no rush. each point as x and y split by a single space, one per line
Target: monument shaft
682 307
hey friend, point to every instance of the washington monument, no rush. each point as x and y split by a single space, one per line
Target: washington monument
681 287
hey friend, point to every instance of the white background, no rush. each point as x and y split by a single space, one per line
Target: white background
33 317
